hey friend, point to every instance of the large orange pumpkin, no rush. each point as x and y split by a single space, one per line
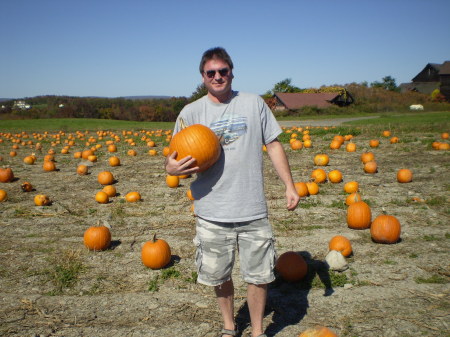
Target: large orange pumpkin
385 229
341 244
291 266
156 253
97 238
404 176
359 215
198 141
318 331
6 175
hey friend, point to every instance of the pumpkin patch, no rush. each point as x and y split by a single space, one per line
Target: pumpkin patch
384 260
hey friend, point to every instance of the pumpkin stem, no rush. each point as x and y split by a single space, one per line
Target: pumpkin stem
182 124
154 238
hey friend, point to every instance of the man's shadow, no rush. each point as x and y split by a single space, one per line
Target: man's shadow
288 302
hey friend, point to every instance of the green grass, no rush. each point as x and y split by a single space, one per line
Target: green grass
429 121
64 271
79 124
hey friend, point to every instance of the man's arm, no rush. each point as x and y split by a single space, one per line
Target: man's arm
280 162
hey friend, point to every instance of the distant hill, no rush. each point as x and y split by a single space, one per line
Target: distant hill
144 97
5 99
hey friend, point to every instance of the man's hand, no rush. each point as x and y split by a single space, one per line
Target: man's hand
292 198
176 167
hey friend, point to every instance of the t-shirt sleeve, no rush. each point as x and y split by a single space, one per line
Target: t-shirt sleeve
270 127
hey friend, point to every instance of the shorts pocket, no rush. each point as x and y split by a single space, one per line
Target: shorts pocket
198 254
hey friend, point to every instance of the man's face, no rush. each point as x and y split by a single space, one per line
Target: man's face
217 77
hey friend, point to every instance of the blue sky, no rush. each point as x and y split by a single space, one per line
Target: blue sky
123 48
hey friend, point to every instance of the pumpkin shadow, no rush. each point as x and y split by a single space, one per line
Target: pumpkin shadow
114 244
287 302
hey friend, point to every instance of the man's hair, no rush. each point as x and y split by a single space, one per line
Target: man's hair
215 53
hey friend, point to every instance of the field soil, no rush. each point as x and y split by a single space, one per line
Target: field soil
51 285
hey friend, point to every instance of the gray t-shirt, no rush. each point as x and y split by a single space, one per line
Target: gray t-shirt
232 190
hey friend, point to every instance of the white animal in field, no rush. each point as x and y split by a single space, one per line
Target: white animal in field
416 107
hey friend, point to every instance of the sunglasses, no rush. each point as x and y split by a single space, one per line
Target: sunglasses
222 72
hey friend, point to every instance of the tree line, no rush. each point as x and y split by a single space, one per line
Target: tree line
377 97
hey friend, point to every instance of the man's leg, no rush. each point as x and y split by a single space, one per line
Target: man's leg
256 299
225 298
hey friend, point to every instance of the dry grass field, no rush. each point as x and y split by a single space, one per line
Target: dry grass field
51 285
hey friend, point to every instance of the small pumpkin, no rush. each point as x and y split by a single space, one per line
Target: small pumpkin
319 176
313 188
351 187
335 176
114 161
374 143
97 238
371 167
132 196
341 244
321 159
352 198
152 152
296 144
3 195
350 147
131 152
367 156
335 144
101 197
49 166
165 151
26 187
302 189
291 266
404 176
86 153
318 331
385 229
156 254
105 178
110 190
198 141
6 175
172 181
386 133
189 195
29 160
359 215
112 148
41 200
82 170
394 140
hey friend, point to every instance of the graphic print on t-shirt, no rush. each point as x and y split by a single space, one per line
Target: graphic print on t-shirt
229 128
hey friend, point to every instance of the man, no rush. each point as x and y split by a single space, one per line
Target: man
229 197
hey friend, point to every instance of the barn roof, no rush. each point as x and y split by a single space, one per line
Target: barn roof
293 101
445 68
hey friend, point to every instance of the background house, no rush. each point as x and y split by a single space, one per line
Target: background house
433 76
298 100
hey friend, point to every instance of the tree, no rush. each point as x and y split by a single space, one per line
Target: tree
282 86
387 84
198 93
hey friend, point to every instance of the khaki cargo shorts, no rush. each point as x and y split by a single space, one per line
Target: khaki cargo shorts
217 243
